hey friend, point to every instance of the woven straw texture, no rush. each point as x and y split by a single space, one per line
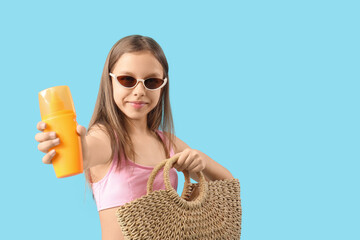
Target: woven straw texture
205 210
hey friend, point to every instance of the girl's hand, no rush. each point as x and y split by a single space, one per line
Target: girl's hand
46 141
49 140
189 160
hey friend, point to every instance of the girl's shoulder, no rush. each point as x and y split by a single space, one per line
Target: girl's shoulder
99 131
98 146
97 127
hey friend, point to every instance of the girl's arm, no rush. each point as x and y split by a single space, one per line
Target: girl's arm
213 170
97 148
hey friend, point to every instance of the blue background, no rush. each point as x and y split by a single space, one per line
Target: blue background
269 89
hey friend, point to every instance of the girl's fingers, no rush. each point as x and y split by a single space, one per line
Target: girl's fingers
193 166
41 126
175 165
198 168
179 161
46 141
183 161
46 145
44 136
47 159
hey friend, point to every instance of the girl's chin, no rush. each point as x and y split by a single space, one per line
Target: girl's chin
135 115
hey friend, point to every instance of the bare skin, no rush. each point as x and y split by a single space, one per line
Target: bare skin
141 65
145 156
96 146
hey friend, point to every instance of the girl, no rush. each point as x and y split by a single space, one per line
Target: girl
123 142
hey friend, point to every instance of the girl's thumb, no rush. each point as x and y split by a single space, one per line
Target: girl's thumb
81 130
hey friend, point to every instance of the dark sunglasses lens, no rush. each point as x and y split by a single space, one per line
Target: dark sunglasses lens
127 81
153 83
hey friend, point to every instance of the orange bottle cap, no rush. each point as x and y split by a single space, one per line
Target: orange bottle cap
55 100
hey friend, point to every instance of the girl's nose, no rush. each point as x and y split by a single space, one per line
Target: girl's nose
139 89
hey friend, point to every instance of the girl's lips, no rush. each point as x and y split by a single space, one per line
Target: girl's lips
137 105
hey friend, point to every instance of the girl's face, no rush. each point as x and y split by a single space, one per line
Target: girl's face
140 65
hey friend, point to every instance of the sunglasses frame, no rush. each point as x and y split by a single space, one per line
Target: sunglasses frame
137 81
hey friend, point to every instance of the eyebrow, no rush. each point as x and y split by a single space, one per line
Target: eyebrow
149 75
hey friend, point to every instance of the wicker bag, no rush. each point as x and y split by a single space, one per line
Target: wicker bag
214 213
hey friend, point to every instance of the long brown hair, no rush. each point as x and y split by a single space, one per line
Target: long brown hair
111 119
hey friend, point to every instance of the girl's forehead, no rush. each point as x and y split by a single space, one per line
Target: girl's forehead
137 56
143 62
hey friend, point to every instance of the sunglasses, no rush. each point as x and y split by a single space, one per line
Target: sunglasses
130 82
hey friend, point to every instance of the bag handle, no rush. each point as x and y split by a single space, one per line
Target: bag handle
168 163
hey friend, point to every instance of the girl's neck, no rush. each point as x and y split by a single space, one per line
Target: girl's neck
138 129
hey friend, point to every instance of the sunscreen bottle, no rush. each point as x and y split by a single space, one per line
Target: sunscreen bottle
58 112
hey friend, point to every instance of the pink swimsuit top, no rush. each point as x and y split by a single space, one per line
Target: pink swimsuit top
128 184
